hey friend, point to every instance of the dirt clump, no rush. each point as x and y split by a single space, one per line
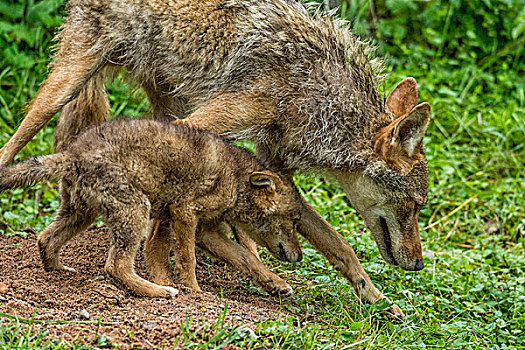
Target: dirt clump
126 320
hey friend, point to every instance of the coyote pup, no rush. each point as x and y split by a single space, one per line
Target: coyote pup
303 87
129 171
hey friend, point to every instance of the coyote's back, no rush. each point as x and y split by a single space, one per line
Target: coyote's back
301 68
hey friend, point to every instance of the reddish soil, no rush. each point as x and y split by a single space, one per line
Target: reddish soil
152 322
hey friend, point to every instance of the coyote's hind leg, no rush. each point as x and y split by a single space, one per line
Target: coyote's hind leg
74 65
90 107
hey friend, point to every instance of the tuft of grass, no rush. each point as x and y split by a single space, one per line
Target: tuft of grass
218 335
15 336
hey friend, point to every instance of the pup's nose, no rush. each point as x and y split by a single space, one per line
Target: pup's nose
419 265
299 256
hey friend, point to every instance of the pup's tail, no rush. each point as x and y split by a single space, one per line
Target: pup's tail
34 170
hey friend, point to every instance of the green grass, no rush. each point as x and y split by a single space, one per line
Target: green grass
471 294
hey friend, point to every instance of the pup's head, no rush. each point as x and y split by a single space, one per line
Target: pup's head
391 190
268 211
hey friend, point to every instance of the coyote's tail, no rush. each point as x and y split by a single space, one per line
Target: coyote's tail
33 170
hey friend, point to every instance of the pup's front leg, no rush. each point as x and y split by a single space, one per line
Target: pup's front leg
214 240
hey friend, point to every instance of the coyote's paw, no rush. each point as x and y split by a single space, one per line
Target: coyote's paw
163 281
393 312
191 285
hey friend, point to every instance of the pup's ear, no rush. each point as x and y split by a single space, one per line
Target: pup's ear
266 180
403 98
399 143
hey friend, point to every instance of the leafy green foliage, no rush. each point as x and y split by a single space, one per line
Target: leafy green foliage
468 57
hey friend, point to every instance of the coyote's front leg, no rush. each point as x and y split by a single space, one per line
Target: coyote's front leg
331 244
340 254
236 115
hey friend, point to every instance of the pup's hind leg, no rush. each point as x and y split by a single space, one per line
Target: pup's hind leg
127 219
157 249
67 224
74 65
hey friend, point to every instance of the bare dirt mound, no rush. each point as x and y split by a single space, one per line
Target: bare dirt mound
150 321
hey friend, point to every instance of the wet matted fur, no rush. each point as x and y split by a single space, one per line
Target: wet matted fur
129 171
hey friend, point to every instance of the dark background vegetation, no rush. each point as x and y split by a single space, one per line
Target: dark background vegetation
468 58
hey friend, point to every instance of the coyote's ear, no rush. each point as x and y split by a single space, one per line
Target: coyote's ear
266 180
399 143
403 98
410 130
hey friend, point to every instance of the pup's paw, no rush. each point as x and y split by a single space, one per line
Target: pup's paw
59 267
172 292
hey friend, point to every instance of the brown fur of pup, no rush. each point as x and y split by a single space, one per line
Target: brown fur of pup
129 171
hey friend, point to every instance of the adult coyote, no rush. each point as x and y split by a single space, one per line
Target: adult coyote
302 86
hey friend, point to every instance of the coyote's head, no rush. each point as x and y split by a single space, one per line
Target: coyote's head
390 191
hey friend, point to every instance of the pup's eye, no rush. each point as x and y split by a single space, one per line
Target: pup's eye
294 222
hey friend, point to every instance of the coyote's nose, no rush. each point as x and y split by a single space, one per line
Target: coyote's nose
419 265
